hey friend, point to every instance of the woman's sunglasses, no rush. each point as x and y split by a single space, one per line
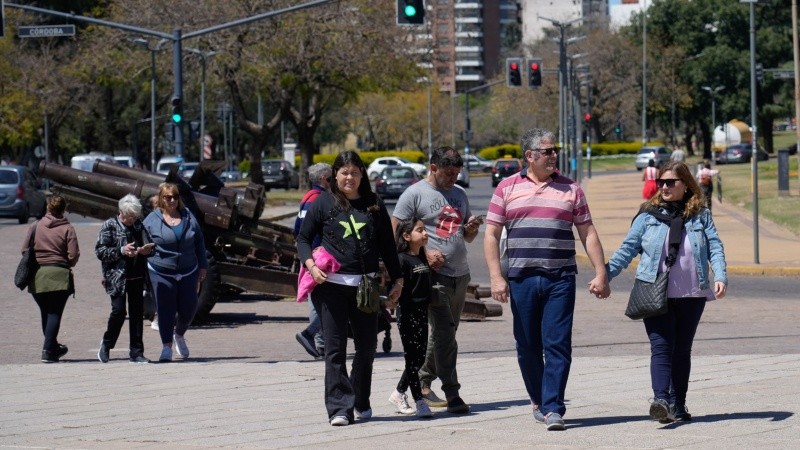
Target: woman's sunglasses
670 182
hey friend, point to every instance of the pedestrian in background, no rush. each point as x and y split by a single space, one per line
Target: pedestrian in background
677 154
356 231
57 252
674 229
311 337
121 249
649 176
176 269
539 207
412 313
444 208
705 178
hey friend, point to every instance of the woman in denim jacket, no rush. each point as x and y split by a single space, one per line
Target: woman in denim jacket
674 227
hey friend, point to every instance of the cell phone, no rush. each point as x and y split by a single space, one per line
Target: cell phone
150 245
482 217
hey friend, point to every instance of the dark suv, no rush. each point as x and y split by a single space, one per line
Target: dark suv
504 168
279 174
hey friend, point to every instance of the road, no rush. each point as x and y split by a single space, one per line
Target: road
759 315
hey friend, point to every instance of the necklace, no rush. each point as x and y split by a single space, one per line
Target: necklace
172 221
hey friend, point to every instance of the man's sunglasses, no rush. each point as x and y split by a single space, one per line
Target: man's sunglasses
548 151
670 182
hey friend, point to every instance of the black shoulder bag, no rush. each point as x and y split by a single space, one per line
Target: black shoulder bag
27 266
368 295
650 299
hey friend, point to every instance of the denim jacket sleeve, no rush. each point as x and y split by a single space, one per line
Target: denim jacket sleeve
710 249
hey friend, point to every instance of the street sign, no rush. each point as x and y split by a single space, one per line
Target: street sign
787 74
46 31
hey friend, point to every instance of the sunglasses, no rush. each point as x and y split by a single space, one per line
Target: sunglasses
548 151
669 182
169 198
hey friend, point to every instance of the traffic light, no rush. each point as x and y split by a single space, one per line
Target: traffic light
587 117
194 130
410 12
760 72
513 74
177 110
534 73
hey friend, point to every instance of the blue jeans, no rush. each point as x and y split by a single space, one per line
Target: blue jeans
671 337
174 296
543 310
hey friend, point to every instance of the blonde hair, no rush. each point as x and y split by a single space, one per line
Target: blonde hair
169 189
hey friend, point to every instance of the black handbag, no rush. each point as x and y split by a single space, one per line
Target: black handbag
648 299
27 266
368 295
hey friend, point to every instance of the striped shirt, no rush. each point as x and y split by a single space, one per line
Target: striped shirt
539 219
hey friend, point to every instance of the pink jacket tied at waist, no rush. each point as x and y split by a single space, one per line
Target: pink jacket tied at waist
305 282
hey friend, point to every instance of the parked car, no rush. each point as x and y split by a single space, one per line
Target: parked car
127 161
279 174
503 168
231 175
383 162
187 168
20 194
740 153
658 154
166 163
86 161
393 181
477 164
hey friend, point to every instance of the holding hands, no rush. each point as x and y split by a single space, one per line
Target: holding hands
435 259
599 287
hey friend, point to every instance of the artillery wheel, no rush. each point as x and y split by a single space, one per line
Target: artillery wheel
209 292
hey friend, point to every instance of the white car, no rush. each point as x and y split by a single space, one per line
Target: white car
383 162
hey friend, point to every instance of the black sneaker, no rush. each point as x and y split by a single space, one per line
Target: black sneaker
62 350
457 406
681 413
307 341
102 354
49 357
139 360
660 410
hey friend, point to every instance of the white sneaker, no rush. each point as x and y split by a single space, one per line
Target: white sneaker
400 400
154 323
180 346
423 410
363 415
339 421
166 354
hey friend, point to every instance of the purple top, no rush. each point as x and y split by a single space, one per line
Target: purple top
683 276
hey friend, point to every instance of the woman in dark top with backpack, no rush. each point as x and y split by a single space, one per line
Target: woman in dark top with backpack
356 230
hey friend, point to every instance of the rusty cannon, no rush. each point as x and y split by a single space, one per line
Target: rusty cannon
245 253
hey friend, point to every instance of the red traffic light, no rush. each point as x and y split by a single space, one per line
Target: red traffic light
587 117
514 66
534 66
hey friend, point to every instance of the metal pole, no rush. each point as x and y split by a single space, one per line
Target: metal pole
177 67
644 74
754 122
430 122
467 126
202 103
796 54
153 110
589 130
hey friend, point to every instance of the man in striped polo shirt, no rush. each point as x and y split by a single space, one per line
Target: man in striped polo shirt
538 208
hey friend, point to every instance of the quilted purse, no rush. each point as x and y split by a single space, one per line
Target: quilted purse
648 299
27 265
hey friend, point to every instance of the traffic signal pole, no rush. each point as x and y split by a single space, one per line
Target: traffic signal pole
176 37
467 124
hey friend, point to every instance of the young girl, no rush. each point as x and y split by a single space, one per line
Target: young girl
412 313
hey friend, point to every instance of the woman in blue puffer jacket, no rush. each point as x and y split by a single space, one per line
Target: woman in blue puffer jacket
674 228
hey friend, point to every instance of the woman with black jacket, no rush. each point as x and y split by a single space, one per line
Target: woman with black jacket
355 229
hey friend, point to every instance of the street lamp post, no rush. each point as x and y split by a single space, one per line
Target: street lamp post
144 43
203 57
713 91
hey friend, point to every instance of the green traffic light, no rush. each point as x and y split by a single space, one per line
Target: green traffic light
410 11
176 118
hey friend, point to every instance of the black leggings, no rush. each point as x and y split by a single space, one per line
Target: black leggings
51 308
412 322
